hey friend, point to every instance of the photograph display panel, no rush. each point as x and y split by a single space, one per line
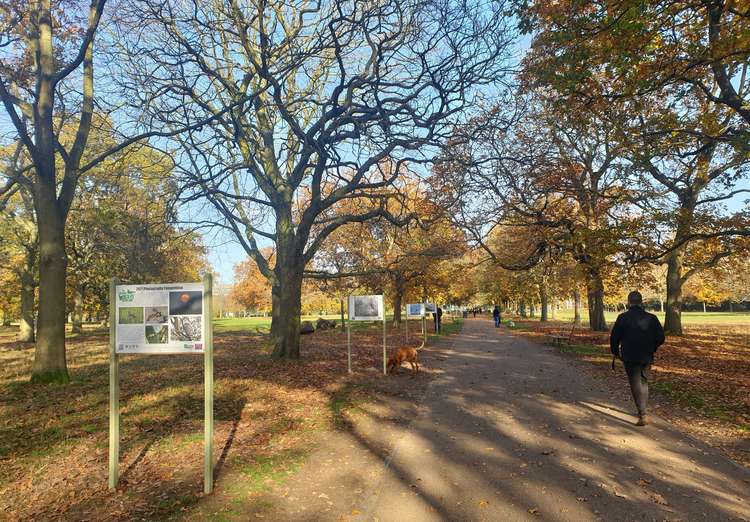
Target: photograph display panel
159 318
366 308
415 310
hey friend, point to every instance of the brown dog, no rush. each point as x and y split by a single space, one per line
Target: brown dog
403 354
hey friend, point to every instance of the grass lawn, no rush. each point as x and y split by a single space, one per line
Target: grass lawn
263 324
688 318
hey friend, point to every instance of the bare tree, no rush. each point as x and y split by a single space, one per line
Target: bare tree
309 98
47 90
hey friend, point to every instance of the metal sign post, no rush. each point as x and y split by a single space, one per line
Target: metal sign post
349 346
406 323
424 329
114 391
368 308
146 314
208 382
385 356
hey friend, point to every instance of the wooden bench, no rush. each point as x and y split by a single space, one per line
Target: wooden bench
561 339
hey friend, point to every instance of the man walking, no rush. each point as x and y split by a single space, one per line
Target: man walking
496 316
635 337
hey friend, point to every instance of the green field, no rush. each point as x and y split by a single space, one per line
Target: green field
688 318
263 324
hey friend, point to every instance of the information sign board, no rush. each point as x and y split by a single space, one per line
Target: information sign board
415 310
161 318
366 308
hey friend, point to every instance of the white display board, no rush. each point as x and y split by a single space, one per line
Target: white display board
366 308
415 310
161 318
430 308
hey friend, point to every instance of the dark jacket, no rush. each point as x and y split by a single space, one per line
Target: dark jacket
636 335
496 312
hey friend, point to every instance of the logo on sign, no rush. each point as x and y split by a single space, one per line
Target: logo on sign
126 295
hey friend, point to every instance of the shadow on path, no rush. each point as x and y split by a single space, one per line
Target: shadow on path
510 431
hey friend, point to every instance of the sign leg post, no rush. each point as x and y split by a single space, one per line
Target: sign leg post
208 360
384 352
349 347
424 329
114 390
406 324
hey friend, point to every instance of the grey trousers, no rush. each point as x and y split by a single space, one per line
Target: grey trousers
638 375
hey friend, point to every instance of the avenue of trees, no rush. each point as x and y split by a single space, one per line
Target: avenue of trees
414 148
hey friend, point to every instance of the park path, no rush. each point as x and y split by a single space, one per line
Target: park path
509 430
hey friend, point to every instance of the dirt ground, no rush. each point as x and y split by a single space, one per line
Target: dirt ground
506 430
269 415
701 381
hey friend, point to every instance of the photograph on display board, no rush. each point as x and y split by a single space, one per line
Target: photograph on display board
156 334
430 307
185 328
415 309
366 306
185 303
130 315
156 314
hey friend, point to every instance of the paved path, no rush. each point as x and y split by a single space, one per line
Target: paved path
512 431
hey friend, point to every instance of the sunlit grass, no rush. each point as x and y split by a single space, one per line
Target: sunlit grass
688 318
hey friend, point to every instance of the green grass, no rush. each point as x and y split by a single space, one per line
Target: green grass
259 324
348 399
264 472
450 328
263 324
516 326
585 350
688 318
683 395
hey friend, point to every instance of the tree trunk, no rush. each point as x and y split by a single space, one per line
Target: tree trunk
341 310
532 309
49 358
77 315
287 292
577 307
595 293
275 307
673 318
731 306
522 308
26 331
398 297
6 317
544 305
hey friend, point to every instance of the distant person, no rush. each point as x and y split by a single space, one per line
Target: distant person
496 316
474 311
439 320
635 338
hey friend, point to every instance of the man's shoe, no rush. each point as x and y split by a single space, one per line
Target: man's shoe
642 420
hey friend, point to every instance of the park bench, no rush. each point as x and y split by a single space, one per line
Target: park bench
562 339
